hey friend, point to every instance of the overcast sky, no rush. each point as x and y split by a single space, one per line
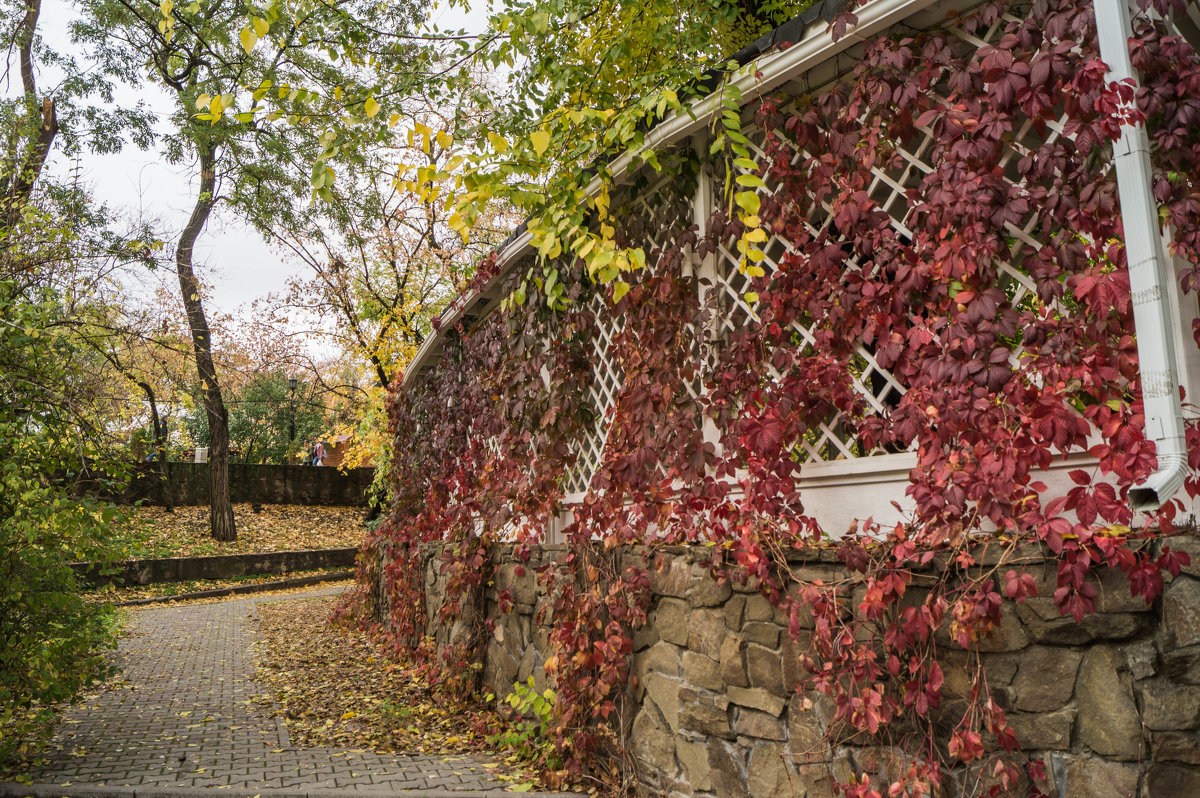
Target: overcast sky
229 255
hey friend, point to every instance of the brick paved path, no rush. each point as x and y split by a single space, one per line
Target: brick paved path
181 715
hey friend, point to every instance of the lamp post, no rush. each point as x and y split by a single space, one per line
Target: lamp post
292 418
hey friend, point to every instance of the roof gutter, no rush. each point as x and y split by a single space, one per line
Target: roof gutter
1149 278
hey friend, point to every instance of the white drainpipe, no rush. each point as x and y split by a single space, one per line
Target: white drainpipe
1149 277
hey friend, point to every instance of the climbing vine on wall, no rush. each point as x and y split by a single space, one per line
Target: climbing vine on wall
998 297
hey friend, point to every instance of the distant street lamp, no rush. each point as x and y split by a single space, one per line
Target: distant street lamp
292 418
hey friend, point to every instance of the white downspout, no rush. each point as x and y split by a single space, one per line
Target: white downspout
1149 277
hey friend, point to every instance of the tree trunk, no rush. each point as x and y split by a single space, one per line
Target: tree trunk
16 194
220 509
160 448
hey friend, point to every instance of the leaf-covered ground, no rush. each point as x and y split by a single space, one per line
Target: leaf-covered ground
263 596
153 532
338 689
132 593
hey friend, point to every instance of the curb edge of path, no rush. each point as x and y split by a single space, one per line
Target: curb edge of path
261 587
16 790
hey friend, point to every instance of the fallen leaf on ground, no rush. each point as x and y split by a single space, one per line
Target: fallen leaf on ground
148 532
331 696
135 592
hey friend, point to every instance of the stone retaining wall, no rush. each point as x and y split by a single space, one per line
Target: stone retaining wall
1111 705
266 484
223 566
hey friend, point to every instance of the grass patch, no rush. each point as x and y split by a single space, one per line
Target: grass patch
151 532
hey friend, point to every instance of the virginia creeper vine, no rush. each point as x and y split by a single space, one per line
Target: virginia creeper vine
996 293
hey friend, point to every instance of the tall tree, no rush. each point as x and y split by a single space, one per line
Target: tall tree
256 163
51 396
269 421
380 274
29 151
220 506
586 80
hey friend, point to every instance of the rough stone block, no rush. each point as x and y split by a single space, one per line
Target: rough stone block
525 666
764 667
645 636
765 634
1172 781
768 772
1191 546
759 609
956 674
1002 668
1168 707
728 769
791 651
756 698
706 630
1044 731
735 612
652 742
693 758
752 723
1143 659
806 727
1117 625
1113 595
1182 664
1181 612
1108 717
670 576
733 661
670 619
523 587
660 658
702 671
1087 777
1010 635
664 692
817 781
706 720
506 669
704 590
1045 678
743 584
1174 746
1057 631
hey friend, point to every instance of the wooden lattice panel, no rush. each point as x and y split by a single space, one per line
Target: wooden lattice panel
651 216
602 390
891 187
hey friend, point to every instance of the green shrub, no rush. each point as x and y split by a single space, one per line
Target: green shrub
528 735
51 642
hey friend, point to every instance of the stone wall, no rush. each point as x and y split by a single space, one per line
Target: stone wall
265 484
222 566
1111 705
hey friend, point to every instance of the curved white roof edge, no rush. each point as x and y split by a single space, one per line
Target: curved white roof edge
775 68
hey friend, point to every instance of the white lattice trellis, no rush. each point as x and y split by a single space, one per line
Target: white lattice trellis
602 390
659 219
833 439
657 211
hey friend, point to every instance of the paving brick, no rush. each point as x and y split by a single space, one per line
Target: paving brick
185 712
